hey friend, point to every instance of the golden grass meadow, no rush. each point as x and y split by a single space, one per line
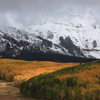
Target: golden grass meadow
19 70
53 80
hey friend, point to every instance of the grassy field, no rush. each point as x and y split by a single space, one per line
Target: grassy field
81 82
19 70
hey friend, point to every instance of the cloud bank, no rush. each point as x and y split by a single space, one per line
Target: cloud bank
22 13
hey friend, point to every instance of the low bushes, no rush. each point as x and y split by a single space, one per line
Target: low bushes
71 87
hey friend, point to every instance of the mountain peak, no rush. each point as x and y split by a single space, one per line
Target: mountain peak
64 38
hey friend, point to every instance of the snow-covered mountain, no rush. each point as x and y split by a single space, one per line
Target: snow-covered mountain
80 38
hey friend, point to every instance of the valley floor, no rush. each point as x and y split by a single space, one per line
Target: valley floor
13 72
19 70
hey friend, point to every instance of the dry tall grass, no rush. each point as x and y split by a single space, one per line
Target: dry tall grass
19 70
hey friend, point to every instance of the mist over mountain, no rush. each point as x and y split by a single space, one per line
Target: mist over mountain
22 13
50 29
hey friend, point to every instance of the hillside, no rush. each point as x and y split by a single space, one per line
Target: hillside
81 82
51 41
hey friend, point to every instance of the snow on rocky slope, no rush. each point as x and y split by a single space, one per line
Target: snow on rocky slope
79 38
84 32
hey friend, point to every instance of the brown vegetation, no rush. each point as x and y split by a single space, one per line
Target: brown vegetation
80 82
19 70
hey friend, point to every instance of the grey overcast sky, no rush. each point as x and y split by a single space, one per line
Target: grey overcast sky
27 12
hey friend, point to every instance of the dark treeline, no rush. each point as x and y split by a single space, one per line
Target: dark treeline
40 56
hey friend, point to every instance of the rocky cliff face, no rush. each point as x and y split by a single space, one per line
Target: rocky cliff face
49 40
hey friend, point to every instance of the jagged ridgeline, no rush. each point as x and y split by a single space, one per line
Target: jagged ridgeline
48 44
80 82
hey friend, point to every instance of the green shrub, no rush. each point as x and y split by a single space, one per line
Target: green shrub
72 82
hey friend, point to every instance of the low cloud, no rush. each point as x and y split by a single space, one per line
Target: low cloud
22 13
